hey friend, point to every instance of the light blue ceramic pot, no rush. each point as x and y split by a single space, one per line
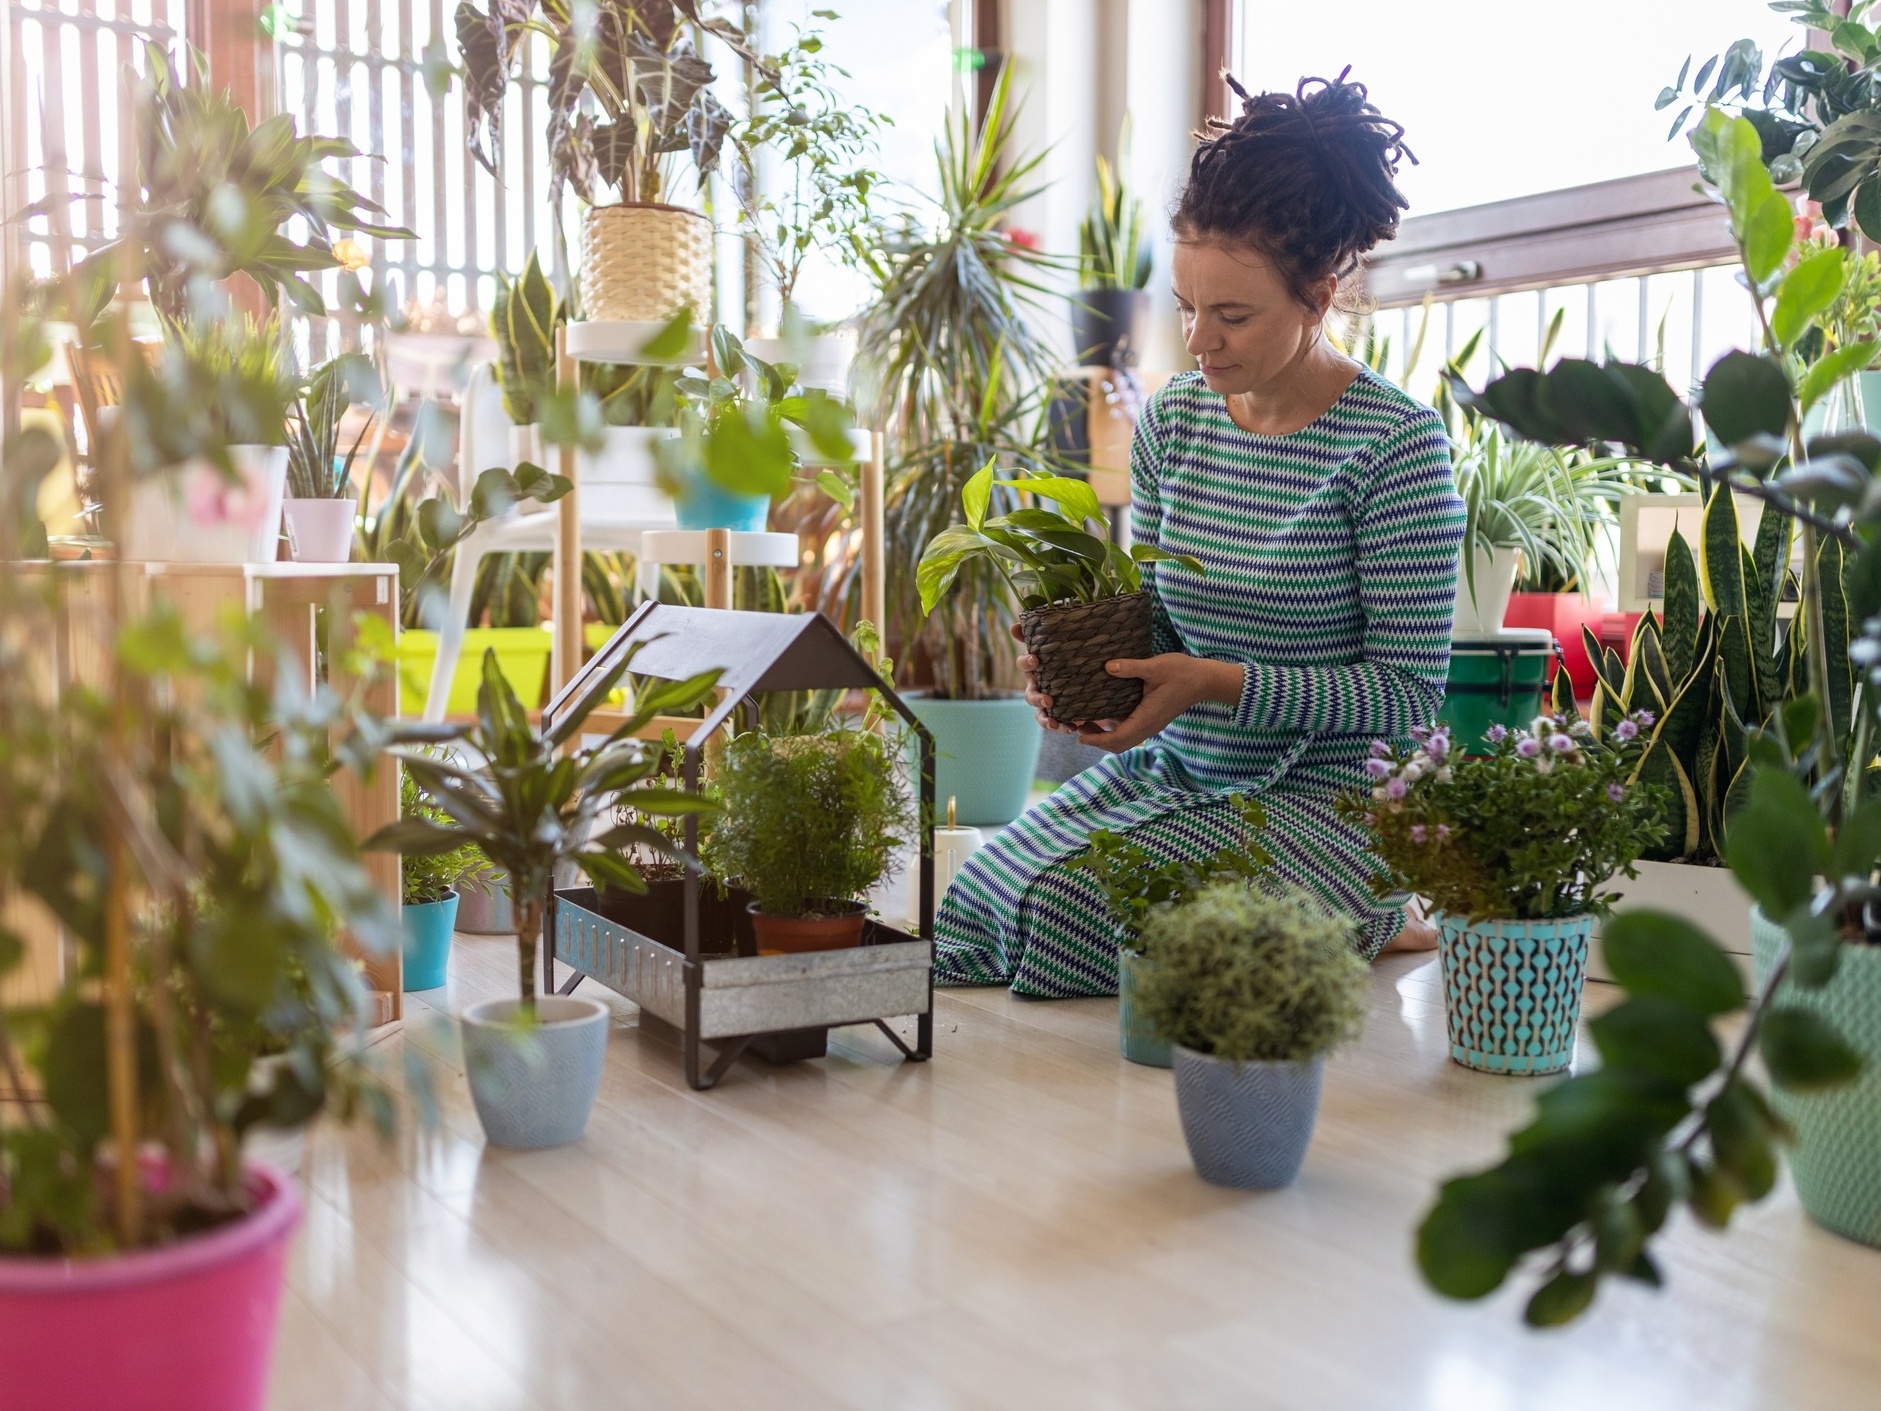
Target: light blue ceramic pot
426 933
702 504
1512 991
1140 1043
1247 1125
985 755
535 1087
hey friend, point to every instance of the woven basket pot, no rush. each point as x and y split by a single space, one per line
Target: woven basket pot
645 262
1073 642
1836 1158
1512 991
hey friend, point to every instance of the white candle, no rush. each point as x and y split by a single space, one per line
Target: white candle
952 848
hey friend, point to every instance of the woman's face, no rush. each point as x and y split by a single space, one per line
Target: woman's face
1240 322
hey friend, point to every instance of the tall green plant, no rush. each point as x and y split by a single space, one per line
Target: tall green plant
524 319
315 468
1112 253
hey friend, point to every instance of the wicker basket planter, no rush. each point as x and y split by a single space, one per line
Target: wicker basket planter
644 261
1073 641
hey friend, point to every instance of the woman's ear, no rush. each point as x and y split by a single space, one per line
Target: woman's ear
1323 293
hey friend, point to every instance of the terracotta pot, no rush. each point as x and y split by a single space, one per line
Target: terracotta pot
793 935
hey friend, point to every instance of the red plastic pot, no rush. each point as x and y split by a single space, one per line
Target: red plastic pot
184 1327
1563 614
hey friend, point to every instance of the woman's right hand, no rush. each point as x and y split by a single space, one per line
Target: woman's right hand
1037 699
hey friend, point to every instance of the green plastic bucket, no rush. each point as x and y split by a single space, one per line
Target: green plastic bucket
522 654
1496 680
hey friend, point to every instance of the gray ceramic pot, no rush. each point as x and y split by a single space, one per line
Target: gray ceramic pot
1247 1126
535 1088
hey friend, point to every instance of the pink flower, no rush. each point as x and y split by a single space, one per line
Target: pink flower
1616 792
1024 239
1626 730
1439 746
1380 750
1643 718
1420 733
1497 734
1443 832
1560 744
1528 747
1396 789
1418 833
1378 768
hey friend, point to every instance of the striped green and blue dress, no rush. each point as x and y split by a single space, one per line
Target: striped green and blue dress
1331 559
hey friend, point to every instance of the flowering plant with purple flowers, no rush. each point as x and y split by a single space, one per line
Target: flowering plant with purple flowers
1527 832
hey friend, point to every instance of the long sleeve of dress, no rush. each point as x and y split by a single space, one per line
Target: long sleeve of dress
1146 517
1407 526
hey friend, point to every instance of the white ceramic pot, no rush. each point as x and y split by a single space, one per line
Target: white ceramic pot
620 482
525 444
822 361
534 1087
319 531
1481 614
196 514
1708 897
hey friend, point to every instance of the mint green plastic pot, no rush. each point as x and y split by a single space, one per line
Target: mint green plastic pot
986 755
1139 1042
1836 1157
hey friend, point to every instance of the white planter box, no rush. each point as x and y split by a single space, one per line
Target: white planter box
1708 897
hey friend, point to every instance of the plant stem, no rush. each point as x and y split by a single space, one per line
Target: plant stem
528 938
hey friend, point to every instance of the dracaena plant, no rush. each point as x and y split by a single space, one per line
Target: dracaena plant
1674 1115
627 88
1046 556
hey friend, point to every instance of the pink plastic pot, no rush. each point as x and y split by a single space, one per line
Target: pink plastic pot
186 1327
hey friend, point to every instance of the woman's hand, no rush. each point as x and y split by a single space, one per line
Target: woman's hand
1037 699
1172 683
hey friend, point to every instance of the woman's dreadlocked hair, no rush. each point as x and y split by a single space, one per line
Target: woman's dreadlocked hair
1307 178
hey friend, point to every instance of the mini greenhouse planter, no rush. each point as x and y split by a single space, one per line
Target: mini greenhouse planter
1073 641
706 981
1512 991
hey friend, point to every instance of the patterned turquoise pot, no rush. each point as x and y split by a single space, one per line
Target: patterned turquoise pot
1512 991
985 755
1247 1124
1836 1158
1140 1043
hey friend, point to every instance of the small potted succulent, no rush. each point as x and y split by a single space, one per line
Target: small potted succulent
1137 884
430 882
1082 596
809 823
1252 991
319 510
540 801
1511 849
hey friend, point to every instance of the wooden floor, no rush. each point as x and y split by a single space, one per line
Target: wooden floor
1015 1225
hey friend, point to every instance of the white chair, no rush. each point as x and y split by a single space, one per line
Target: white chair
618 497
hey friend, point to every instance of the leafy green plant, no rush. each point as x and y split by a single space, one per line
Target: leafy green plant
435 526
808 819
245 362
1046 556
523 320
1112 253
430 877
215 198
1252 978
1526 833
315 468
824 140
536 799
1136 883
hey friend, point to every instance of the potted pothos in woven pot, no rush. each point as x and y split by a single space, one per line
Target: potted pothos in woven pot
1252 991
1137 884
1510 850
631 95
1081 595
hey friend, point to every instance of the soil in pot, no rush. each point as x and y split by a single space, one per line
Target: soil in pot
187 1326
1512 991
535 1088
838 926
1247 1125
1073 641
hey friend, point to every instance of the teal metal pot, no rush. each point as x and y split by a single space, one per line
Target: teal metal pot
1140 1043
426 935
1836 1158
1512 991
986 755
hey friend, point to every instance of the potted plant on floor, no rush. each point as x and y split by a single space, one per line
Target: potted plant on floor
430 883
1082 596
808 824
960 370
1137 884
320 509
538 801
1111 307
1252 991
1510 850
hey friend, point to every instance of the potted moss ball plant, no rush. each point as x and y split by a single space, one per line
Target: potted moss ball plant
1252 991
809 823
430 881
1511 849
1082 595
1136 884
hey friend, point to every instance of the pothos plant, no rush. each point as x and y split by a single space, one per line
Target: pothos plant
1674 1116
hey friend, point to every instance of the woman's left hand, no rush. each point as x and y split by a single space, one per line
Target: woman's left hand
1172 683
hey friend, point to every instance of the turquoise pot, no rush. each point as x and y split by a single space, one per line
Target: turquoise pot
426 936
1140 1043
1836 1158
986 755
1512 991
701 504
